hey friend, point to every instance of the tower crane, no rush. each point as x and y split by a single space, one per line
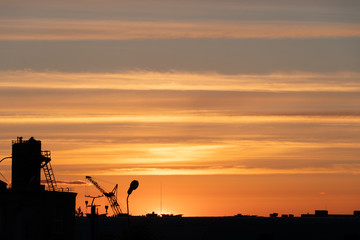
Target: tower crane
111 196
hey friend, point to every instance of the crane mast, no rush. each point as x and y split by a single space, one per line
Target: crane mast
111 196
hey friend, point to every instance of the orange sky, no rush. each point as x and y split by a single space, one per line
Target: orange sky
227 195
217 109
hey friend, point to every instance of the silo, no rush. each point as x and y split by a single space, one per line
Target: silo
26 162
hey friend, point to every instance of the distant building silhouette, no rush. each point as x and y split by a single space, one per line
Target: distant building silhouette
325 213
27 210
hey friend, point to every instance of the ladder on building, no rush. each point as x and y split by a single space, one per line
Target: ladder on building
48 171
50 177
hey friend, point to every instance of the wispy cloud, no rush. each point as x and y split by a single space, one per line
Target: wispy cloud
198 118
147 80
190 123
214 168
60 29
204 147
67 182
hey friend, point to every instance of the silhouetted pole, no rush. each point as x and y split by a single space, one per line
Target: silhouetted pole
127 204
133 185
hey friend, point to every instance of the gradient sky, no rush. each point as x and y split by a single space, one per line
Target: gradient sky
217 107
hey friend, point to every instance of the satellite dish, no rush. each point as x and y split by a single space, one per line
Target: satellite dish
133 185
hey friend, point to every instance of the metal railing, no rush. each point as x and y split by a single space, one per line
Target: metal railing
46 154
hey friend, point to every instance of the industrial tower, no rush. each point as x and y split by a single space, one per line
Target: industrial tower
27 210
27 161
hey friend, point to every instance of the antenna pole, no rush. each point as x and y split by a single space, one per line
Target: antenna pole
160 198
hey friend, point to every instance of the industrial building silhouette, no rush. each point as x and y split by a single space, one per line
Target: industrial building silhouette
27 209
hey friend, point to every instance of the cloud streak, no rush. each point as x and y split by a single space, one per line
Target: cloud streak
66 182
60 29
178 119
147 80
246 167
205 10
226 56
188 148
160 123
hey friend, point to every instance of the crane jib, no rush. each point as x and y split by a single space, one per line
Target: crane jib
111 196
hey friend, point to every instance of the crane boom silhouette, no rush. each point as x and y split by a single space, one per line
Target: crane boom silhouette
111 196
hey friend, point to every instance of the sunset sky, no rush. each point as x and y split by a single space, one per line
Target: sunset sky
216 107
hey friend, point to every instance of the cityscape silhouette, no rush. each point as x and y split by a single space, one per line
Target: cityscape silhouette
30 210
179 119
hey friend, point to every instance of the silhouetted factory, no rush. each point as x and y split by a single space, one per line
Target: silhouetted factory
27 210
